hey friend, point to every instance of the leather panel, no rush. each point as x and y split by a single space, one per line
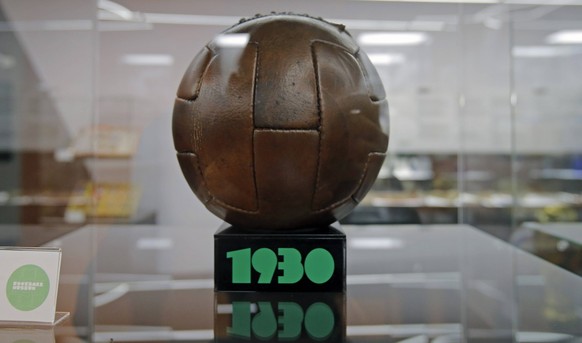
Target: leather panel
350 127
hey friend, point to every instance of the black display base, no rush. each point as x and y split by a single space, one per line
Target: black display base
306 261
279 317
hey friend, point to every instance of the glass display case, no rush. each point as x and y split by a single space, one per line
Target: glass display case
485 103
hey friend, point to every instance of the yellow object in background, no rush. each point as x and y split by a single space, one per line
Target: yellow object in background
557 213
103 200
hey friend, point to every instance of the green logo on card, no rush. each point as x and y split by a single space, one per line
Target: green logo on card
27 288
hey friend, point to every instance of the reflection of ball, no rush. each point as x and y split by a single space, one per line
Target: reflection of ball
277 123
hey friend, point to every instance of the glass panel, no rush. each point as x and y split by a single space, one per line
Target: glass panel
485 114
547 54
46 97
418 183
486 119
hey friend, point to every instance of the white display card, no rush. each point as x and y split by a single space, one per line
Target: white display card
29 280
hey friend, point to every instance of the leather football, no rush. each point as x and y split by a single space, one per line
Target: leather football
281 123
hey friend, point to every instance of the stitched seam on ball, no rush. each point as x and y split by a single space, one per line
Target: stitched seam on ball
253 156
212 196
199 82
319 106
335 45
190 138
222 203
358 185
284 130
355 55
320 121
196 132
367 80
257 16
195 135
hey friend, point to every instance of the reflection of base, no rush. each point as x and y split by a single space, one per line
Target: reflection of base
275 317
307 261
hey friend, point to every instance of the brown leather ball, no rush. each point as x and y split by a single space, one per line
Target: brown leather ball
280 123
